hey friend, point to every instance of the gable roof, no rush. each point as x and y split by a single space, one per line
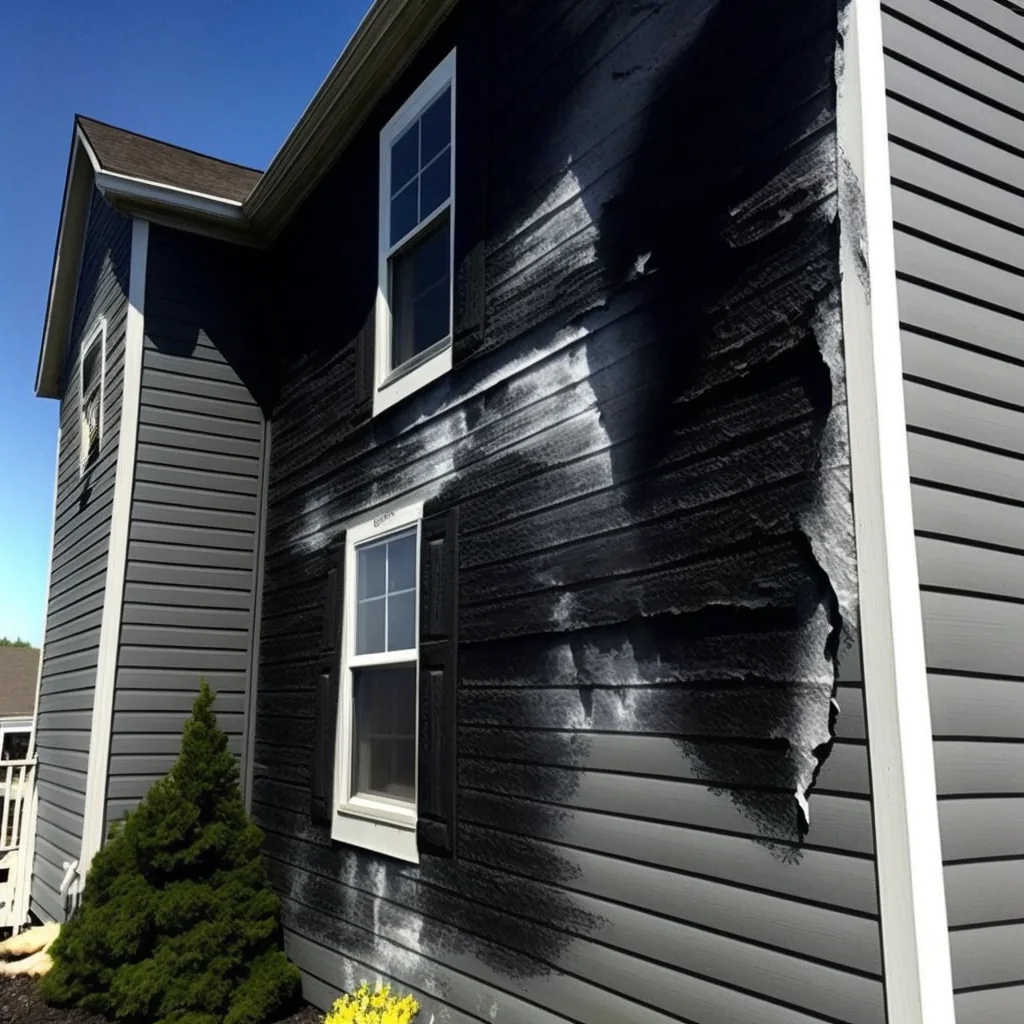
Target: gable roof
19 667
171 185
137 175
136 156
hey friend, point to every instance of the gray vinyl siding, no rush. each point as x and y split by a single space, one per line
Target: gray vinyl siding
190 581
955 81
621 858
79 563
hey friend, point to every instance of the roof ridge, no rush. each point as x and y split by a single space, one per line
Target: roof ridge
163 142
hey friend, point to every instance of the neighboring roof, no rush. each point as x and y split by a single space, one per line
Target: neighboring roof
138 156
19 667
167 184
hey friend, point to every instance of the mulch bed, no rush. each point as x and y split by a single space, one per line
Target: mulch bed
20 1004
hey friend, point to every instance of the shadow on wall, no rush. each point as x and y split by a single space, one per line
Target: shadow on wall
201 291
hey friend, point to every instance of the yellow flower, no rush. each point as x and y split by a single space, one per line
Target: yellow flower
378 1006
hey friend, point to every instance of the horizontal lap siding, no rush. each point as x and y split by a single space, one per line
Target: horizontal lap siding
190 582
635 666
79 563
955 80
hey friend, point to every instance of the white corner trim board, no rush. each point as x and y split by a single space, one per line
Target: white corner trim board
117 557
911 894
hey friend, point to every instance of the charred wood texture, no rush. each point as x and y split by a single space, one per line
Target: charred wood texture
648 449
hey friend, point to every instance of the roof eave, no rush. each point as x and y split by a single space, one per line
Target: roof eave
177 207
387 39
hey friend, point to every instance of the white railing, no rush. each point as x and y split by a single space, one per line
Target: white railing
17 802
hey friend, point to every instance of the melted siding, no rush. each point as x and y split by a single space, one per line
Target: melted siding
955 79
647 453
79 564
190 584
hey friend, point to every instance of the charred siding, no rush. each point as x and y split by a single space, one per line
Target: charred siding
79 565
648 452
955 81
190 583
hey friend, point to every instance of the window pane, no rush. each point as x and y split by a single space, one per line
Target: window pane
404 212
420 295
370 626
436 127
402 621
405 157
371 570
402 562
432 315
91 363
384 732
15 746
435 184
431 260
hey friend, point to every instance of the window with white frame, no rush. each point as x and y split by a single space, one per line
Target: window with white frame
92 369
379 669
417 211
14 742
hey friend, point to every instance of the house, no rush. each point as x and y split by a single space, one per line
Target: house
19 669
586 463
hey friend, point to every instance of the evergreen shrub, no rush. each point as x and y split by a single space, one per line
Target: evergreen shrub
177 923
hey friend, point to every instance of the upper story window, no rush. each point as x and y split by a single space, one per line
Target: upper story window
92 369
417 213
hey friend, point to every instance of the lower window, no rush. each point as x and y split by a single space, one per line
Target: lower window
376 762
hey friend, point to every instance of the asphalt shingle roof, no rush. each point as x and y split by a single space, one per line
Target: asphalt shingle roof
138 156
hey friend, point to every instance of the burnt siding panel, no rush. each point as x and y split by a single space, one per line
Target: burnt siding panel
190 579
647 580
79 561
956 105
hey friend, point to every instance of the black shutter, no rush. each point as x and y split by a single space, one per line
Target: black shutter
439 569
362 409
471 164
321 803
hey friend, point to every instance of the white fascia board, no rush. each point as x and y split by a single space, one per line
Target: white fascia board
67 256
139 189
911 893
93 829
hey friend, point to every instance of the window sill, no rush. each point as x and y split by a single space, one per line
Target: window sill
420 371
398 841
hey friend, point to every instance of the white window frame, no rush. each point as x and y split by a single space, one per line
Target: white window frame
97 334
385 826
10 728
391 386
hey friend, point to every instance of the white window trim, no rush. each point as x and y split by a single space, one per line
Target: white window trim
11 728
392 386
387 827
99 332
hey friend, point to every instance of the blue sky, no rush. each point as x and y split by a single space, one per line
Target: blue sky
223 77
